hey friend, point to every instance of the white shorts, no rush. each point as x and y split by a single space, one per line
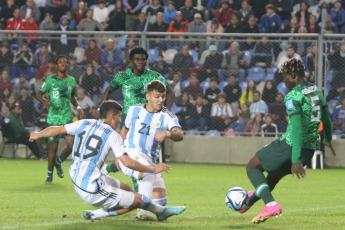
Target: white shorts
109 195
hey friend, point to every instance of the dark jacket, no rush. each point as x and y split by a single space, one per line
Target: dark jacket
233 93
16 125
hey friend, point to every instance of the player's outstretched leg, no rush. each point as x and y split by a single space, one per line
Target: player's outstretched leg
248 205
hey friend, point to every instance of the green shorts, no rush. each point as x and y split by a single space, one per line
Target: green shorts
276 156
56 138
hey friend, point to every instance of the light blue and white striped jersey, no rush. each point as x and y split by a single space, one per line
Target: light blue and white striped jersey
142 127
93 140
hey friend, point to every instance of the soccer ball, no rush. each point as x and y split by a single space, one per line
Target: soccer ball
235 198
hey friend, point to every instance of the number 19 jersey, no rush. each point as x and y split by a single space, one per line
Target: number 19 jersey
307 100
142 126
92 143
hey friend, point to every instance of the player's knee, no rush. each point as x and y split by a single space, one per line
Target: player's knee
254 163
126 187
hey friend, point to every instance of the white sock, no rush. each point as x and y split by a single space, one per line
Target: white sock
150 206
146 188
100 213
272 203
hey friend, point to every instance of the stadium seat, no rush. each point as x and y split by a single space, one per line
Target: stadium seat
213 133
185 83
192 132
314 159
224 52
256 73
248 55
195 55
222 84
122 42
282 88
329 75
204 54
205 85
105 86
243 85
331 105
7 142
79 54
112 7
176 109
153 55
169 55
271 72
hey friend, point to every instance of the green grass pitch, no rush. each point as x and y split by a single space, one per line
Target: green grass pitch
317 202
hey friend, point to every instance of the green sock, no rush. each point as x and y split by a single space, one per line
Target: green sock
135 185
260 184
61 158
50 170
111 168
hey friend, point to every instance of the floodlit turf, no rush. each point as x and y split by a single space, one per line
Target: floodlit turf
318 202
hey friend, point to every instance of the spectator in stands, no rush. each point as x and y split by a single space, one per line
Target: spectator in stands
101 12
179 3
184 113
233 94
30 9
253 127
278 111
269 129
234 63
269 92
5 81
88 24
84 102
311 63
270 22
30 39
290 53
94 113
129 47
183 62
212 92
92 54
283 9
153 8
46 70
133 10
211 65
6 56
159 26
42 56
199 115
7 13
188 10
116 20
337 63
46 24
221 114
312 26
251 27
245 12
247 94
22 82
72 22
73 68
303 14
160 65
92 84
179 25
170 12
338 16
27 104
80 11
14 23
176 85
338 117
262 53
257 7
111 55
215 28
4 96
64 44
20 134
193 89
22 62
243 116
292 27
258 105
328 27
224 13
197 26
235 26
60 11
139 24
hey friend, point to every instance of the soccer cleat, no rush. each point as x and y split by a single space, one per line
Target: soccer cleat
170 211
268 212
104 169
49 180
59 170
250 193
88 215
144 215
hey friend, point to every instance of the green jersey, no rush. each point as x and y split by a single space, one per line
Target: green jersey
60 93
134 87
305 99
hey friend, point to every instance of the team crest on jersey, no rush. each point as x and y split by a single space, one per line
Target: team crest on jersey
69 88
158 124
289 105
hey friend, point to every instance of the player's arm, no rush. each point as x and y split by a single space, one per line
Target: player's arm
175 134
74 102
137 166
123 132
105 96
170 97
327 127
48 132
45 103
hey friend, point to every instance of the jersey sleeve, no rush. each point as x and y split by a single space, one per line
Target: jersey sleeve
45 87
116 82
72 128
173 121
128 121
165 82
293 104
74 88
116 144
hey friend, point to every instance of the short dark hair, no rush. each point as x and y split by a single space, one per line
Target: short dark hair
156 85
109 106
138 50
256 91
215 79
60 56
293 66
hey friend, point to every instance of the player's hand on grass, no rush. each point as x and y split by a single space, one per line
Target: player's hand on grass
298 170
162 167
33 136
329 145
160 136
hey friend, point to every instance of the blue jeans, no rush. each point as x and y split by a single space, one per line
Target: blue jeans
201 122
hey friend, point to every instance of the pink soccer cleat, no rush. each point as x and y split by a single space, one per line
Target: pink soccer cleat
250 193
268 212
